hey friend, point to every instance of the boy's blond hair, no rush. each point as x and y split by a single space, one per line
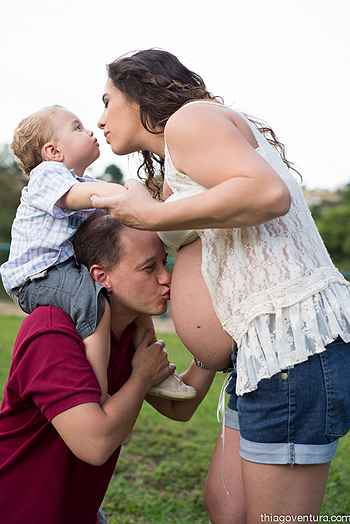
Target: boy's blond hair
31 134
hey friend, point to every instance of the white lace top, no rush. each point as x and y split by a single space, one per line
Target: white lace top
274 287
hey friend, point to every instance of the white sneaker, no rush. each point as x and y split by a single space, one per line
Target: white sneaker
173 388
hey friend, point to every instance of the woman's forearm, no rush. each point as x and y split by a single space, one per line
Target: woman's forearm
237 202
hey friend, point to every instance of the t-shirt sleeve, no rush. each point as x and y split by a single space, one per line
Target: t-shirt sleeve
47 185
56 374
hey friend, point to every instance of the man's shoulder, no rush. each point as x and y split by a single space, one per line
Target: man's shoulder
47 319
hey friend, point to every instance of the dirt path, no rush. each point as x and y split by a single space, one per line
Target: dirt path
164 325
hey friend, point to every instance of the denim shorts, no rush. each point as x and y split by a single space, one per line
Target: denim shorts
101 517
297 415
67 285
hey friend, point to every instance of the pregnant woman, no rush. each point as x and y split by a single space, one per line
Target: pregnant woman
252 281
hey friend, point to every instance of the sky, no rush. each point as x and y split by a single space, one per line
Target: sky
285 61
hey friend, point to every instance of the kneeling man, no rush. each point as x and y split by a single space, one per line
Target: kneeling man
58 445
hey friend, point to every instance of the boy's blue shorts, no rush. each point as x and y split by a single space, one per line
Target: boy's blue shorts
67 285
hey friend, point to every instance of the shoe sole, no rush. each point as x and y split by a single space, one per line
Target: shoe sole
175 396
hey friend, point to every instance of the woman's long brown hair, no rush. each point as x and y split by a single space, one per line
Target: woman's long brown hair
160 84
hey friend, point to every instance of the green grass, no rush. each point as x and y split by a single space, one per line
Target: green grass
161 471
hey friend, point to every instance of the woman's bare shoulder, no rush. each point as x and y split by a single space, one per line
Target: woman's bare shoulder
194 118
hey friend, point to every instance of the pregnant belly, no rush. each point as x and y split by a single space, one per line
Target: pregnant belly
194 317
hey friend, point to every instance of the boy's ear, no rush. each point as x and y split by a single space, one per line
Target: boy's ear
51 151
100 276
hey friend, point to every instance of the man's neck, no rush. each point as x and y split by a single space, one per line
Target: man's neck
121 319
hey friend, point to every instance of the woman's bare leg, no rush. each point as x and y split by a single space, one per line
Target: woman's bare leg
283 489
223 493
241 492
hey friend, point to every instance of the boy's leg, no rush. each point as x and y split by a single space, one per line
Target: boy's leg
98 348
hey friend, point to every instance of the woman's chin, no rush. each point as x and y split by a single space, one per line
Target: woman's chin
120 150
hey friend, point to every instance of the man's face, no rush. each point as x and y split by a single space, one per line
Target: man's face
140 282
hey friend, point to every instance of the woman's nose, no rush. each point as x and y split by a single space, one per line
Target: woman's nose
101 122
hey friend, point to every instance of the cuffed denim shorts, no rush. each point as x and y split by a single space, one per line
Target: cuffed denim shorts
67 285
297 415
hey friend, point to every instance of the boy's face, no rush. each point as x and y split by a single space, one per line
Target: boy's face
78 145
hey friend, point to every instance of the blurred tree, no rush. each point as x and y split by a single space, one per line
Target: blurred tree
333 222
11 184
113 173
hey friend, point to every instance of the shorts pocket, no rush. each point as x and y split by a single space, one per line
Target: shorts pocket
335 363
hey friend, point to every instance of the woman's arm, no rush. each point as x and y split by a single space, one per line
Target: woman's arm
204 143
201 379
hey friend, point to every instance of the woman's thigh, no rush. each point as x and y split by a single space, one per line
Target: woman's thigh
283 489
238 491
224 495
192 311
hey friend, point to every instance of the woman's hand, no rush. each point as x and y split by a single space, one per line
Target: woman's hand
134 207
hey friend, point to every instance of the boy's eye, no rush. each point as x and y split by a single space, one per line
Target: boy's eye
149 269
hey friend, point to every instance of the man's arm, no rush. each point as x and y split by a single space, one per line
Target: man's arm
93 432
201 379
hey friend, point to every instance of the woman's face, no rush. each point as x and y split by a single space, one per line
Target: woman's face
120 121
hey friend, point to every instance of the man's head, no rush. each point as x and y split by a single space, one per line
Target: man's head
129 263
55 134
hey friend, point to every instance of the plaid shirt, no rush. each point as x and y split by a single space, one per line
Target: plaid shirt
42 231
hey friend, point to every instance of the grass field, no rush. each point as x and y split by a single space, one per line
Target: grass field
161 471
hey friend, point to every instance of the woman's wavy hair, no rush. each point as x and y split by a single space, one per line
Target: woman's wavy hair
160 84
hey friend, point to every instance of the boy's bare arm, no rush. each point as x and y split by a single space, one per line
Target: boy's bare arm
78 197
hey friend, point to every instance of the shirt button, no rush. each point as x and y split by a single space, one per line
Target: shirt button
284 375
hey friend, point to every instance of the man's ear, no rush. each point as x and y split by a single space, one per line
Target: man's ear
100 276
51 151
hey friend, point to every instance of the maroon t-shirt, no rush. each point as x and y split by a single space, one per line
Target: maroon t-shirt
41 481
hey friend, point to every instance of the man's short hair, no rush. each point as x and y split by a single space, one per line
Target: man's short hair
97 241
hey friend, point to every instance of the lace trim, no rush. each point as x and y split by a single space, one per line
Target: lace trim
273 342
273 300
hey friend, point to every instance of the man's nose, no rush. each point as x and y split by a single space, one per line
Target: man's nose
165 277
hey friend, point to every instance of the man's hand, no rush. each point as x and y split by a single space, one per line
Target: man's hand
133 207
150 362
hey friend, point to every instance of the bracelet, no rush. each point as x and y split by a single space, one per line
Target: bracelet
199 363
